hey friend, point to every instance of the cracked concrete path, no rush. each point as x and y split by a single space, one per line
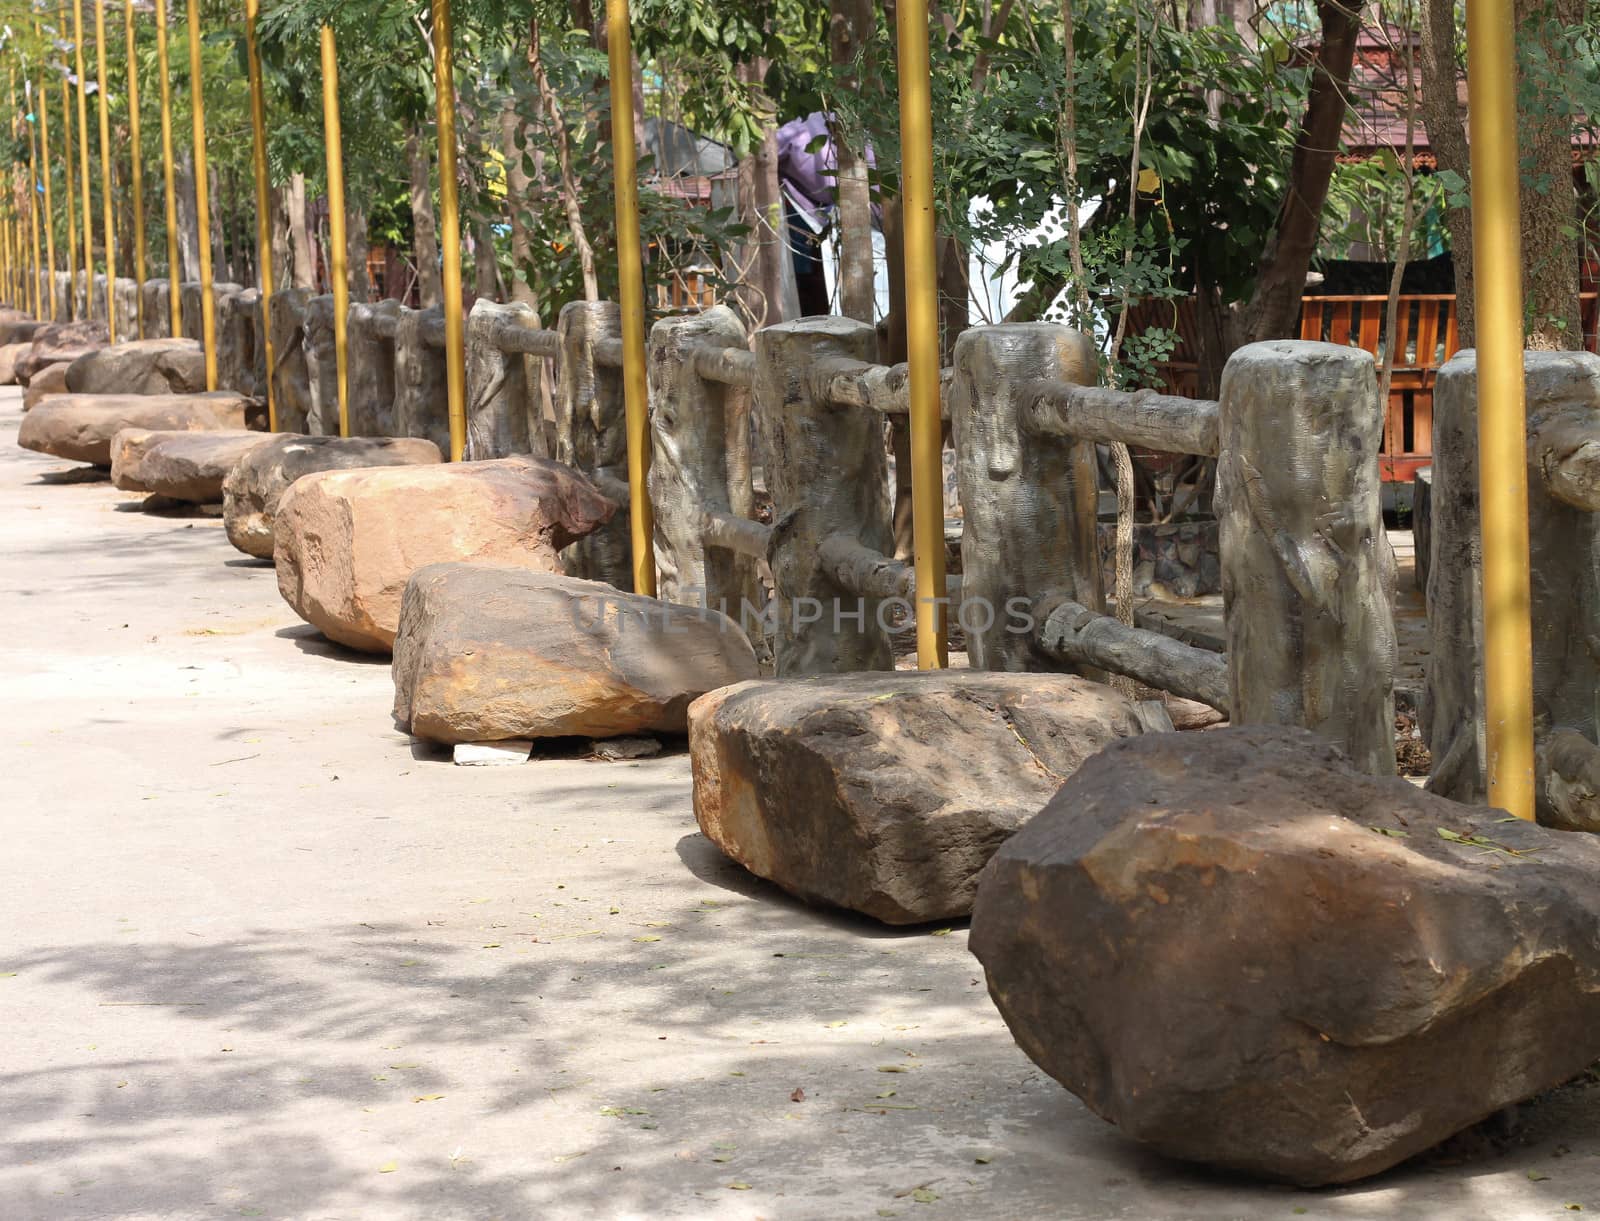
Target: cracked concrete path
259 957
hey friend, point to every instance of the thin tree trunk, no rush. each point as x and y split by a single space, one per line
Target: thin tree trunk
419 166
1549 198
219 249
1444 117
760 294
571 201
188 218
1275 304
300 241
850 33
281 259
356 247
517 202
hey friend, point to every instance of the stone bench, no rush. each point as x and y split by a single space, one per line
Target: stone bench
61 343
180 465
45 383
887 793
347 541
251 492
488 654
80 427
142 366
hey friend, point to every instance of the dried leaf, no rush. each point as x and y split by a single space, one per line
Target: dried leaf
738 1186
388 1167
799 1095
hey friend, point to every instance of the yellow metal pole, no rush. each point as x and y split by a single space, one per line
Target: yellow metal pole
1502 406
202 197
444 88
33 200
43 107
107 208
83 162
70 191
174 270
922 330
339 271
136 174
258 128
630 271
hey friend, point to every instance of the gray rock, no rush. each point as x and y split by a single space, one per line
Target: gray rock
887 793
183 465
1245 953
52 379
61 342
143 366
487 652
80 426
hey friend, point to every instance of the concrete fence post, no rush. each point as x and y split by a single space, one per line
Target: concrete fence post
504 415
157 298
827 473
1307 571
125 296
291 376
322 366
240 354
689 473
591 435
421 397
371 359
1029 502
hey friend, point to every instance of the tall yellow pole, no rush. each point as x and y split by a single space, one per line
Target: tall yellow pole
39 307
70 191
630 271
444 88
1502 406
202 197
107 204
258 128
43 107
174 268
922 329
83 162
136 175
339 272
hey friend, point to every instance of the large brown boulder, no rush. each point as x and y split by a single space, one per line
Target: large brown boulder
61 342
20 330
52 379
180 465
1245 953
143 366
80 426
250 494
9 355
346 542
886 793
487 653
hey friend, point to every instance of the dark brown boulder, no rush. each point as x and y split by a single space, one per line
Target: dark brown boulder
1244 953
886 793
61 342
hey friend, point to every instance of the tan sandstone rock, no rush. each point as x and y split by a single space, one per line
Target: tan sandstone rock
52 379
80 426
9 355
180 465
251 492
61 342
346 542
486 653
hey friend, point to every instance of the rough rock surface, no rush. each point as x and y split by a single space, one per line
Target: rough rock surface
52 379
485 653
61 342
80 426
1245 953
250 494
888 793
346 542
20 330
10 354
144 366
180 465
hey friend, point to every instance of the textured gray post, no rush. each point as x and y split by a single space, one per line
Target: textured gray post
291 378
125 295
503 411
322 366
421 395
61 292
370 353
157 309
689 472
239 347
591 436
1563 395
827 472
1307 571
1029 502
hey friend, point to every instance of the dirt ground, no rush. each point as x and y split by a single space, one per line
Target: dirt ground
262 956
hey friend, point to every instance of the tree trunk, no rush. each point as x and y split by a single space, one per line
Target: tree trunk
281 258
419 165
512 142
1442 115
1275 305
219 246
305 259
1549 198
485 266
188 218
850 31
894 351
356 247
761 208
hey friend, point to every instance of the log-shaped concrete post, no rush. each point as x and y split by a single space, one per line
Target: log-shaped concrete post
125 296
102 303
591 435
291 376
503 409
689 473
1028 501
189 306
62 289
1563 402
827 472
421 392
1307 571
240 355
157 309
322 365
370 355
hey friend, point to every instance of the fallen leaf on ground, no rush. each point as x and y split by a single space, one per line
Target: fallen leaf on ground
799 1095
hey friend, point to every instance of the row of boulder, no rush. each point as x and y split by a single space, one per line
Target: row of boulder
1231 943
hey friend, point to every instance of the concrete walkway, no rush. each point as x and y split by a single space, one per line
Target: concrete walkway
261 957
